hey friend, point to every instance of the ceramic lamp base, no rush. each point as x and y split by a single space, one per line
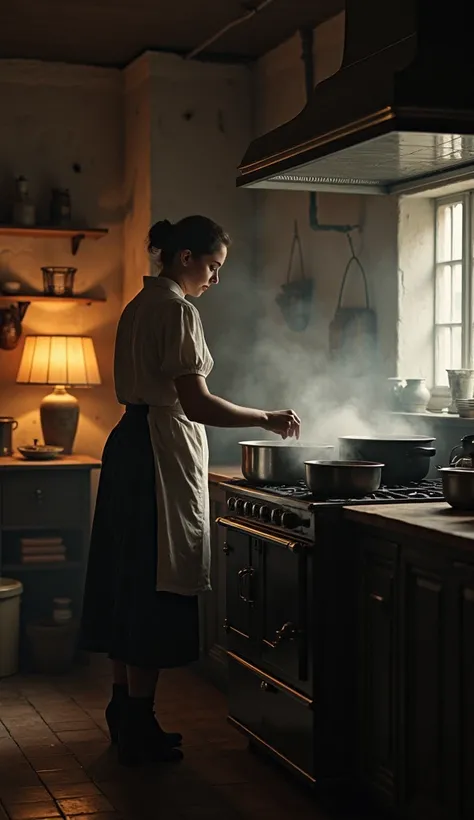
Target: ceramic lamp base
59 414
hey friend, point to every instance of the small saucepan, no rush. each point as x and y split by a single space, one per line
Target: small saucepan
343 479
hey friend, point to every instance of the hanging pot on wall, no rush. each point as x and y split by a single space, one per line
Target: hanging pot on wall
353 330
296 296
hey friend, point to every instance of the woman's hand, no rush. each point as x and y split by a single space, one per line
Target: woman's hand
283 422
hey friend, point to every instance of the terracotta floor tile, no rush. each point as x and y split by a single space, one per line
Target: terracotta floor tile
33 811
91 804
62 791
23 794
101 816
58 777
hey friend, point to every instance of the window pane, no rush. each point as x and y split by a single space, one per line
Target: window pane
444 291
457 231
456 294
456 347
448 352
443 233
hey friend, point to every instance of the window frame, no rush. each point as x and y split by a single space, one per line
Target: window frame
467 268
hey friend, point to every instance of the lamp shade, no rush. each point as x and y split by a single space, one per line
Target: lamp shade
59 360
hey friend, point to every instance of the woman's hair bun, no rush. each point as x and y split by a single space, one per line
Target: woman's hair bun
159 235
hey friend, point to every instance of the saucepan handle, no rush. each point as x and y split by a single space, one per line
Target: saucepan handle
422 451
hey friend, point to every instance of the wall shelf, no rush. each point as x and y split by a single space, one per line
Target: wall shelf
76 235
16 305
6 300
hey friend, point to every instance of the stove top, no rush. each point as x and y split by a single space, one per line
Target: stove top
428 490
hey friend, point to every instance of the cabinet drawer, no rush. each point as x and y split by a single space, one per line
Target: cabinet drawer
37 499
272 713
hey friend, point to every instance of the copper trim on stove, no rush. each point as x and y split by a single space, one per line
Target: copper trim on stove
293 546
258 739
269 679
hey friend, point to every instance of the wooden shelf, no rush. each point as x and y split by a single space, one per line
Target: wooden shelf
76 235
68 565
26 298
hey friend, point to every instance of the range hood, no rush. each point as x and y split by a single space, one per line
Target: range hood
398 116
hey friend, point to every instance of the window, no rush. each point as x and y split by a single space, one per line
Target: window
453 330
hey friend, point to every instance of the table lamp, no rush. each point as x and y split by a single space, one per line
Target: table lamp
65 361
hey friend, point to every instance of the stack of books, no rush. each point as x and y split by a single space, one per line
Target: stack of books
42 550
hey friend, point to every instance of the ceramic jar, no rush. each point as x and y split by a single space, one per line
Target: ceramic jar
415 396
461 385
393 393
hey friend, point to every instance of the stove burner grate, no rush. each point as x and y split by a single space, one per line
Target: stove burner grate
427 490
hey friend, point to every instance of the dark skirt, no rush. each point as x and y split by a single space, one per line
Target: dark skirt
123 614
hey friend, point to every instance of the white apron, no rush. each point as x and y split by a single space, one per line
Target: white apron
182 499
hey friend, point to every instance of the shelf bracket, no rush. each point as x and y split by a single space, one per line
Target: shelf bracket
76 242
10 324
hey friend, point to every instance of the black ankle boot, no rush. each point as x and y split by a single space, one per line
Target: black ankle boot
115 711
140 738
115 708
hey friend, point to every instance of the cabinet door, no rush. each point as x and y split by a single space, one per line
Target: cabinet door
242 592
377 658
426 729
283 614
461 632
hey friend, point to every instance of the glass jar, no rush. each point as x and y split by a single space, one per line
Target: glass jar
58 281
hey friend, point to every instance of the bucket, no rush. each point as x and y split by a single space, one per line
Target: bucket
10 597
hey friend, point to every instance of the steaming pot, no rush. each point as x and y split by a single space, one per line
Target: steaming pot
7 426
406 460
275 462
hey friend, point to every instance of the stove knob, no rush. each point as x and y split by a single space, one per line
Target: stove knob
276 517
264 513
248 508
256 510
231 502
239 506
290 520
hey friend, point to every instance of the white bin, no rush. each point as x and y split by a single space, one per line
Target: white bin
10 595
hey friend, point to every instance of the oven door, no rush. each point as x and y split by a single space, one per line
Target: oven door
266 587
241 549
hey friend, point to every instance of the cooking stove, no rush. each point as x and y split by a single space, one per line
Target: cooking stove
291 609
293 508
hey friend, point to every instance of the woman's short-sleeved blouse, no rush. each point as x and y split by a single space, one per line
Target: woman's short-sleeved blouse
159 338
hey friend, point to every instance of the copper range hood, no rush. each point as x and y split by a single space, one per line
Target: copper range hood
397 117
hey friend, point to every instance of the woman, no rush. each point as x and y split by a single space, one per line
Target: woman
149 555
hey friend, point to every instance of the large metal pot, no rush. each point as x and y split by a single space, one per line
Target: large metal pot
405 459
275 462
342 479
458 487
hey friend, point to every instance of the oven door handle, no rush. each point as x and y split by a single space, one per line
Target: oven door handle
243 575
294 546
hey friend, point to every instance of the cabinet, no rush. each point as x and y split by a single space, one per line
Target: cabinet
416 677
42 500
377 665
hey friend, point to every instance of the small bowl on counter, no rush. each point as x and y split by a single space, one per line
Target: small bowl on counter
343 479
458 487
40 452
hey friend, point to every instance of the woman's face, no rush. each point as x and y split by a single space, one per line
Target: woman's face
199 273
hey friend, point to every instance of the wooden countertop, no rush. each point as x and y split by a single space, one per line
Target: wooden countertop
434 521
223 473
74 462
